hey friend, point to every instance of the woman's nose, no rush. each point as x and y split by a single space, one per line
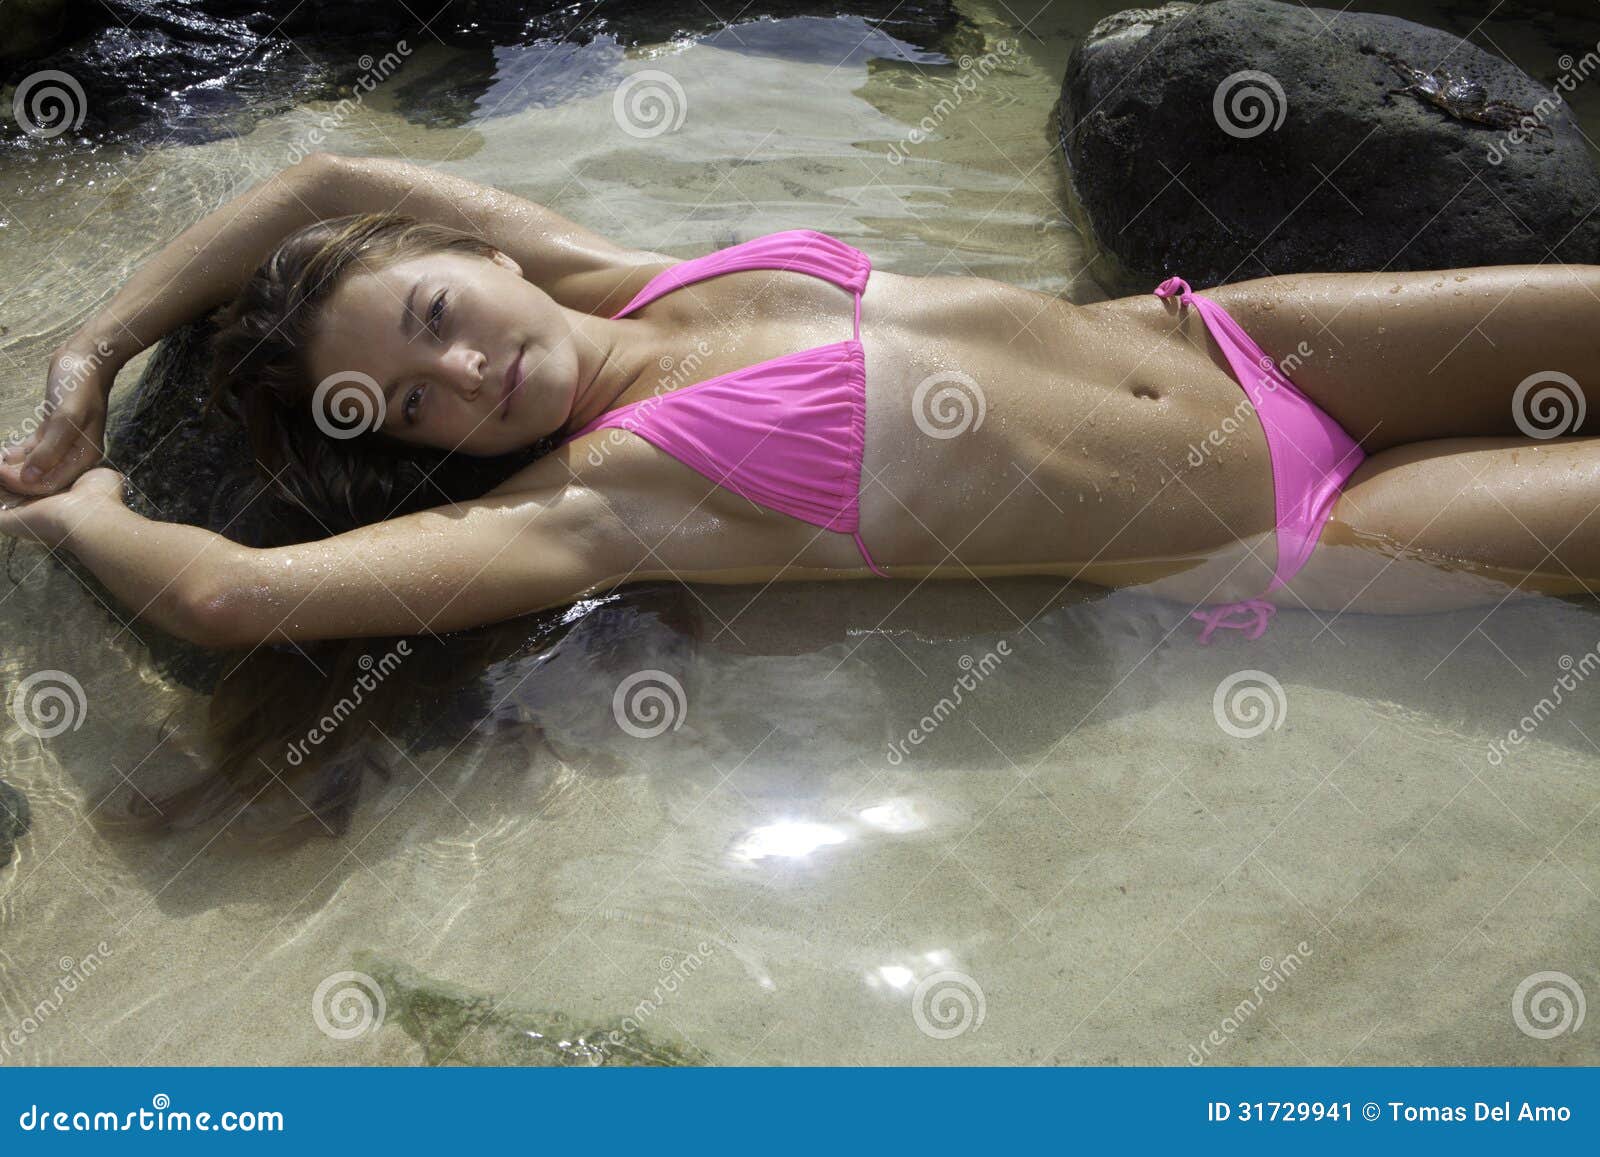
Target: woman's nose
465 369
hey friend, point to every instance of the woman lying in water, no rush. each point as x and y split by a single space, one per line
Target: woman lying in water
779 410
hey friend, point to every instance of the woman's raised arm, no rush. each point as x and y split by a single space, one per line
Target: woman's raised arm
578 267
207 264
197 271
448 568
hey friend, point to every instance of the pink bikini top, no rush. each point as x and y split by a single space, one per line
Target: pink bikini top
787 433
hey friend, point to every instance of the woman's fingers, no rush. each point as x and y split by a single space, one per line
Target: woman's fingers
27 475
57 436
14 451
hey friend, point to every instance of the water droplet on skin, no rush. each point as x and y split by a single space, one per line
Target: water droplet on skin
1381 329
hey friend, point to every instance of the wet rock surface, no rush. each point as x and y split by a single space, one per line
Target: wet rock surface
1249 137
191 72
15 819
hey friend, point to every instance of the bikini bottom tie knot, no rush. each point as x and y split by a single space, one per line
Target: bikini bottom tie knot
1250 616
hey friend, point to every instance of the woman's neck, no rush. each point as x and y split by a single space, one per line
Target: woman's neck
613 354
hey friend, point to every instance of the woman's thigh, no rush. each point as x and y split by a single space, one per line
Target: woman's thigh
1459 522
1397 358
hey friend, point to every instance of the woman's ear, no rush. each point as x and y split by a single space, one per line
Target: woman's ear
506 262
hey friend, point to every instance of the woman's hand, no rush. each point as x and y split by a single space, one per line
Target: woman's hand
71 437
49 520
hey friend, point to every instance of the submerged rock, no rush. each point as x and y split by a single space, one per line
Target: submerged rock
455 1025
14 820
205 69
1249 137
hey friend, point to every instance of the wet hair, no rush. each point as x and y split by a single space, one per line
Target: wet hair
260 375
265 705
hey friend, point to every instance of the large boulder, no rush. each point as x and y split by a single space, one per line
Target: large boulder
1249 137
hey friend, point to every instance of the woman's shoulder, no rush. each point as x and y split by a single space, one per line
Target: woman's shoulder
603 292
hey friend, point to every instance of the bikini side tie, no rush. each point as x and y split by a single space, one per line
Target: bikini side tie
1257 613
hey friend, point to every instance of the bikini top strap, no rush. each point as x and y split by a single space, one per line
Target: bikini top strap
795 250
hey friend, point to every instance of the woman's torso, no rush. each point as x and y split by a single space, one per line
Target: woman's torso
1005 431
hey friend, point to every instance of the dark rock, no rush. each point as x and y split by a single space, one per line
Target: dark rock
199 70
29 28
14 819
1322 168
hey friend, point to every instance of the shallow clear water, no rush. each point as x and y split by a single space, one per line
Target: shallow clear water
1078 863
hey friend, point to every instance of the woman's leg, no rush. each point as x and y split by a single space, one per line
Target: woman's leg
1459 522
1397 358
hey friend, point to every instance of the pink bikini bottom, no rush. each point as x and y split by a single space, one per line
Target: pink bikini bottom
1311 457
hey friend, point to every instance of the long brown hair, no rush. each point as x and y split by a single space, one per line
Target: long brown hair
264 780
260 377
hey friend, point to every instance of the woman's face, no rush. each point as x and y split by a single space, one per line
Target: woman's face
438 335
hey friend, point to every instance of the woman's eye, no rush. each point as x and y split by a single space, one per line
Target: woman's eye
409 408
436 314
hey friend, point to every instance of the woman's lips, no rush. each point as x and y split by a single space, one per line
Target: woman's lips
513 383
